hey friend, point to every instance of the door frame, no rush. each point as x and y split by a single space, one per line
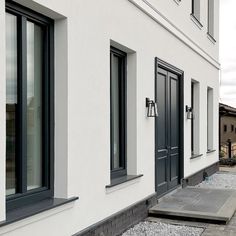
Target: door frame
180 73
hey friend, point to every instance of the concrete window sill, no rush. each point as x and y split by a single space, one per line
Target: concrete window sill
121 180
33 209
194 156
210 151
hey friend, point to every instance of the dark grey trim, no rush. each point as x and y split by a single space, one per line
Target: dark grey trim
33 209
194 156
121 180
210 151
164 65
21 164
117 223
18 9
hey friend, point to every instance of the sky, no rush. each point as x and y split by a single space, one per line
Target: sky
228 52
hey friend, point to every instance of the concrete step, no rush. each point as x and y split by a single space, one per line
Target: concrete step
206 205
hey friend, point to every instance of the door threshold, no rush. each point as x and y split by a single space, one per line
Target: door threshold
169 192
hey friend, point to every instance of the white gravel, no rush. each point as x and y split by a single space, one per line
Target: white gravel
161 229
220 181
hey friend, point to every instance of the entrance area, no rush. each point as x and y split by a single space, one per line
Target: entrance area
168 127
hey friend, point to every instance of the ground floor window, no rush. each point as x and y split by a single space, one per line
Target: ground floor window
29 105
118 112
195 125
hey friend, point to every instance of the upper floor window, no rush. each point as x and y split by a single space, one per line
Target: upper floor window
196 9
210 114
29 106
211 17
232 128
225 128
118 112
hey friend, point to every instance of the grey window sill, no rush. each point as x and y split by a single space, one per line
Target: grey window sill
210 151
196 21
33 209
194 156
121 180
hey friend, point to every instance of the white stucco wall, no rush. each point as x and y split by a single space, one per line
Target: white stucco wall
83 31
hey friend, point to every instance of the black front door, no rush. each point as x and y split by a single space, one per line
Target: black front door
167 130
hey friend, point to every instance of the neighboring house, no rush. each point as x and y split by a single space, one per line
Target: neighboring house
74 80
227 129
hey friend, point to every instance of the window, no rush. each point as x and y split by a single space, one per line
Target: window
211 18
210 112
232 128
195 121
196 9
225 128
192 121
29 106
118 112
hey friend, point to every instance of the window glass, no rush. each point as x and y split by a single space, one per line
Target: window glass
118 112
34 106
196 9
211 17
115 111
210 112
11 102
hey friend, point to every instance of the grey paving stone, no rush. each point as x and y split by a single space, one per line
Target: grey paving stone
199 203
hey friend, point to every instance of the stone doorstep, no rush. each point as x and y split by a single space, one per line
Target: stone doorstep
197 203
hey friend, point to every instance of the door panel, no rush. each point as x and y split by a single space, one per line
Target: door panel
161 141
167 131
161 98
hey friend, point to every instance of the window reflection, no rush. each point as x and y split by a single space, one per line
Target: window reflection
11 102
34 106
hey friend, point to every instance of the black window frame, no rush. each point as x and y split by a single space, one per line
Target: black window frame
232 128
122 171
192 120
24 197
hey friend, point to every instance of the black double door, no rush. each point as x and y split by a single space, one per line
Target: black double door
167 130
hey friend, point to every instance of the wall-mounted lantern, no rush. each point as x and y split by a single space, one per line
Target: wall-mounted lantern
151 108
189 111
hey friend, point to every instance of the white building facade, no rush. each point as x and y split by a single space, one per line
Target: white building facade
78 151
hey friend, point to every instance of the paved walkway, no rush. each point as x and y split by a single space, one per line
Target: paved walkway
210 229
231 169
216 205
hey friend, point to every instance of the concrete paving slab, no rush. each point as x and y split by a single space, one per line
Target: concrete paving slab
203 204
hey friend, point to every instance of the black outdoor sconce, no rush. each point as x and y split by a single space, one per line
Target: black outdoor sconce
151 108
189 111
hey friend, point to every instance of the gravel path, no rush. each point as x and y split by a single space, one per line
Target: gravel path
161 229
219 180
